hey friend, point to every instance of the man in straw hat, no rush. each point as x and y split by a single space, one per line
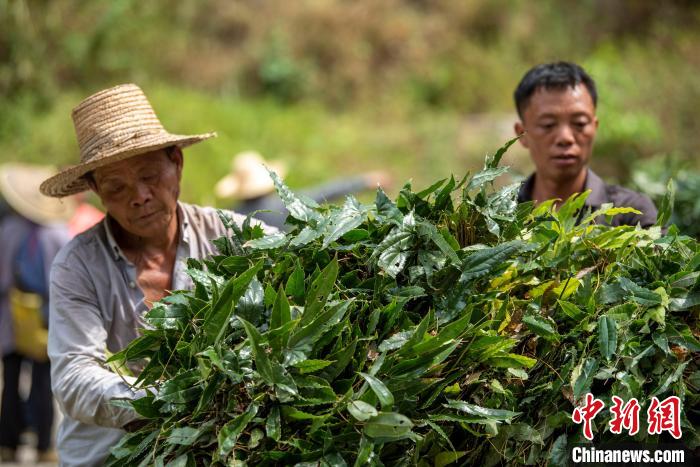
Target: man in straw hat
32 232
104 280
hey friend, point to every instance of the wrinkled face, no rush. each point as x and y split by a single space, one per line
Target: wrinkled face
560 126
141 192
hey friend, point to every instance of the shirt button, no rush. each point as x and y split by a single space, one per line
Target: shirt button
132 284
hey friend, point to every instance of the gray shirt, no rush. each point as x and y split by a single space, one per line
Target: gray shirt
97 306
602 193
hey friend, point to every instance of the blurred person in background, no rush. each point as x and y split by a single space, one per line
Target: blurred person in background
32 231
86 215
107 278
252 188
556 103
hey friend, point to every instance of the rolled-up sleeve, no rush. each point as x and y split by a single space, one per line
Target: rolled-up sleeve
81 382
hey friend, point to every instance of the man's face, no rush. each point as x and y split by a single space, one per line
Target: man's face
141 192
559 126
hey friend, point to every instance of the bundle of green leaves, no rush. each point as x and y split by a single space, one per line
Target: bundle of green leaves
451 326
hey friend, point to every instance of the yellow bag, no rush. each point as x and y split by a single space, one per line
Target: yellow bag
31 336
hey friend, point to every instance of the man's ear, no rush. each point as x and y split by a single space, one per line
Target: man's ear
90 179
175 155
520 130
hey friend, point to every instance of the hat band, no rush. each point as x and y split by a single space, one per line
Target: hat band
115 143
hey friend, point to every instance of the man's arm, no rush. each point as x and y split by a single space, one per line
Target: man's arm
82 385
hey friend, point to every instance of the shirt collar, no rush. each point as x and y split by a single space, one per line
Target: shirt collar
117 252
593 182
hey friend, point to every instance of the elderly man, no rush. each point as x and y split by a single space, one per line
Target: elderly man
105 279
556 103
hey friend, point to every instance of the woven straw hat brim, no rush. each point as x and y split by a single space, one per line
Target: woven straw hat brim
19 185
69 181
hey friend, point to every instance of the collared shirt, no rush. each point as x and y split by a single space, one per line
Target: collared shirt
96 306
602 193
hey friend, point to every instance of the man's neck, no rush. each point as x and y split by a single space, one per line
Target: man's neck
134 244
544 189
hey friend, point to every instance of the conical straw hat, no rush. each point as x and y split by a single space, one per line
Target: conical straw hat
19 186
249 177
112 125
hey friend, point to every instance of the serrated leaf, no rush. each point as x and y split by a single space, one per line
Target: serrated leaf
485 176
318 293
183 436
268 242
273 424
541 326
168 316
670 378
350 216
571 310
311 366
482 412
307 235
388 426
281 314
448 457
483 261
666 205
295 284
303 337
181 389
518 373
429 231
394 250
396 341
582 377
559 453
493 161
262 361
298 207
639 294
511 360
362 411
386 398
607 336
228 436
386 209
216 321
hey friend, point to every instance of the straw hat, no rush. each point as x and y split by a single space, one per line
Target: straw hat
19 186
112 125
249 177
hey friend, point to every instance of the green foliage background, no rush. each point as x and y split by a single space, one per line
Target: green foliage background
420 87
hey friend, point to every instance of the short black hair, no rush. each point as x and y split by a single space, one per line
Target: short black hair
557 75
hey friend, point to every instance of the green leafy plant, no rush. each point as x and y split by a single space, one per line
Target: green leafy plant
450 326
653 179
